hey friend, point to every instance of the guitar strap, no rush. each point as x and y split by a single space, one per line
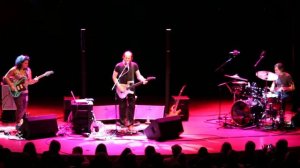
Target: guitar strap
132 72
27 72
132 75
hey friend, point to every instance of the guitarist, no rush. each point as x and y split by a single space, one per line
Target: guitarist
283 87
20 71
123 76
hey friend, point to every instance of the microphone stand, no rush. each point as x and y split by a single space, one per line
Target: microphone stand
231 91
262 54
118 79
224 64
260 58
122 74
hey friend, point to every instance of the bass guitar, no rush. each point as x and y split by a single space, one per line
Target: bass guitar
127 88
20 85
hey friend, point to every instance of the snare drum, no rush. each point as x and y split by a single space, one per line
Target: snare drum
272 101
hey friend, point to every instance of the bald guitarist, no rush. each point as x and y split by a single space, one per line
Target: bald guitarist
123 77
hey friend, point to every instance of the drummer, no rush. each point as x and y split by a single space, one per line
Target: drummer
284 85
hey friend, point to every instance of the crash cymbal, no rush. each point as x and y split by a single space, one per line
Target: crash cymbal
239 82
266 75
236 76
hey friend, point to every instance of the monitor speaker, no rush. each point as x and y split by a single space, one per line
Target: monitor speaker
164 128
35 127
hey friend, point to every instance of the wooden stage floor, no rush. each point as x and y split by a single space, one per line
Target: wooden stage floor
206 127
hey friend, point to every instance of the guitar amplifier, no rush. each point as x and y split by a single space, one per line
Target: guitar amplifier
8 102
8 105
82 117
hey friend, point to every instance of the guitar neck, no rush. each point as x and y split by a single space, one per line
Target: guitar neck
140 82
41 76
134 85
176 105
180 93
45 74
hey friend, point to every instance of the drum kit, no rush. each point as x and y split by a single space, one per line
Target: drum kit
253 104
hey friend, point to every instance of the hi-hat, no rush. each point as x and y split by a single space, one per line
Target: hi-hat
236 76
266 75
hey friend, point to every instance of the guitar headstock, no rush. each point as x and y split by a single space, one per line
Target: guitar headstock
48 73
150 78
181 90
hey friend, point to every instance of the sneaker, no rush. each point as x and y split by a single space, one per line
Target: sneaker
136 123
19 135
120 124
130 130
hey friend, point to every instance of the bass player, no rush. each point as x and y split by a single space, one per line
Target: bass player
21 74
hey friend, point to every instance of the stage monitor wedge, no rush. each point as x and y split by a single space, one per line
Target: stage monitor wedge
35 127
165 128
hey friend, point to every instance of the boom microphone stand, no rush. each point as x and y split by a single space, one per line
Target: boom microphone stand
232 92
234 53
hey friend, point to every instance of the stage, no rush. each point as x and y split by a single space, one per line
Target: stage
209 125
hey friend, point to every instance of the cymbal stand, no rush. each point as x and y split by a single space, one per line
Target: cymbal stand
219 113
225 124
281 111
270 112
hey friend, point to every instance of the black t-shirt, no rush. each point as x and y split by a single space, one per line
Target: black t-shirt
284 80
126 72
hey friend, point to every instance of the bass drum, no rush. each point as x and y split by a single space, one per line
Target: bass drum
246 112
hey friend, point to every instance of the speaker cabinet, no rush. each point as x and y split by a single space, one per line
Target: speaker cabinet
296 119
8 116
8 102
8 105
164 128
39 126
82 117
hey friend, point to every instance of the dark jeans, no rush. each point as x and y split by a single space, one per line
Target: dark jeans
126 110
21 104
284 101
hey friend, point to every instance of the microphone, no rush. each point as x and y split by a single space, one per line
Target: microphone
234 52
262 55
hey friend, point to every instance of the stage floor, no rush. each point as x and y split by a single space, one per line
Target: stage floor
209 125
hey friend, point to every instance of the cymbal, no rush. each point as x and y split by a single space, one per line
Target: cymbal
236 76
266 75
239 82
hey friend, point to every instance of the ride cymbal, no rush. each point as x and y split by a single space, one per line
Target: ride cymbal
266 75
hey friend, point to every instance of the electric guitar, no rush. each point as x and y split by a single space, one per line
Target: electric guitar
173 110
20 85
128 88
